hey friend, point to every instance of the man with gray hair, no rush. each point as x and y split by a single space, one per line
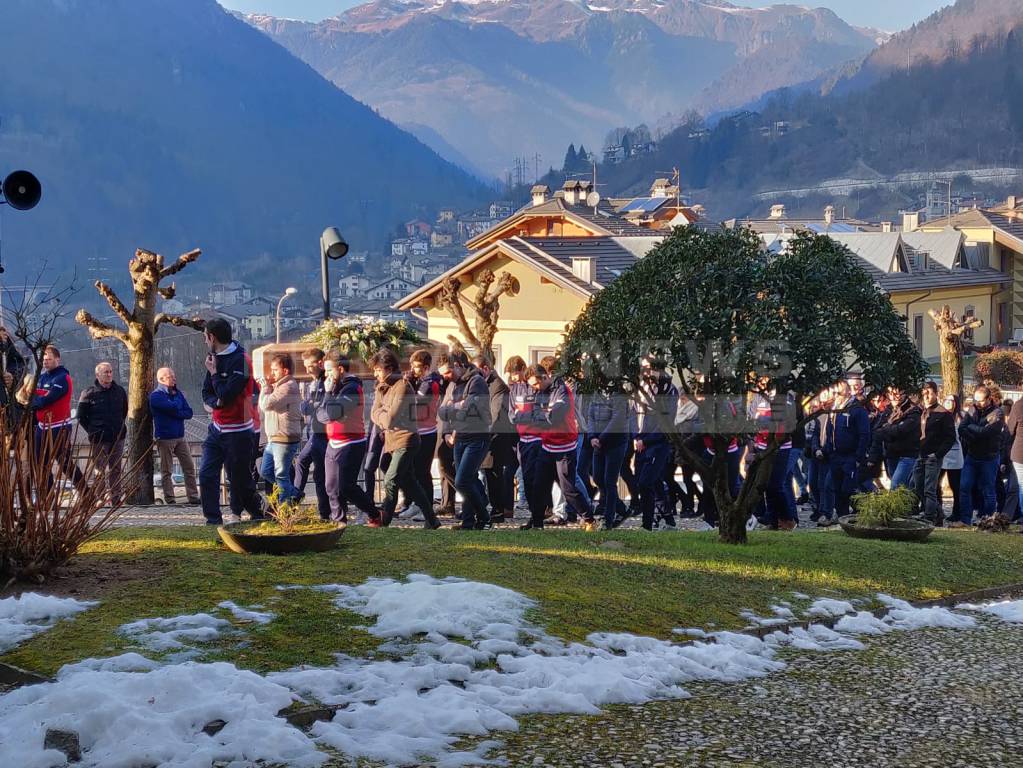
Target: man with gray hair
102 411
170 411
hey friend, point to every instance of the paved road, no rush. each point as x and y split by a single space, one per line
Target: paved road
941 698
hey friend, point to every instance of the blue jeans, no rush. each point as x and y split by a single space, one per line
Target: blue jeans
903 472
979 474
779 503
796 471
1018 469
276 468
607 468
469 454
843 480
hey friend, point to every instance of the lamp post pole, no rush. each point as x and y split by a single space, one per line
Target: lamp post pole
325 281
287 292
332 246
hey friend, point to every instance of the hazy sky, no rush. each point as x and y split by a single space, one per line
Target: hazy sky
889 15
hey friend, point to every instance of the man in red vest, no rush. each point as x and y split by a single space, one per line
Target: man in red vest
52 406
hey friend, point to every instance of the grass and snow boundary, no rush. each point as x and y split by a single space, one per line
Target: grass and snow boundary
457 658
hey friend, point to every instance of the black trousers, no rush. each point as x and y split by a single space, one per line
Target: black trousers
424 465
446 461
501 496
560 467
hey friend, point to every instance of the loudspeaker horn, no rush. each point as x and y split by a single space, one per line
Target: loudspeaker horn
22 190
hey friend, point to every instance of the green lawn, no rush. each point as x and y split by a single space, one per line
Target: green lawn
641 583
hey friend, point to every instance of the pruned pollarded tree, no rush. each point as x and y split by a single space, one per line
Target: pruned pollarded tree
141 325
731 320
952 333
486 307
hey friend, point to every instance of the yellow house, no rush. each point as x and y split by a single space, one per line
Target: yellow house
562 250
920 269
994 239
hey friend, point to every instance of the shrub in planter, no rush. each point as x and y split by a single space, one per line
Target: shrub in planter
881 509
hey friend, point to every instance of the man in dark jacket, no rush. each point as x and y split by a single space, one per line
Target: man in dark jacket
554 416
102 411
52 408
901 439
653 451
846 439
314 452
170 411
343 415
980 433
13 366
466 413
502 445
937 436
428 387
1014 426
228 391
608 420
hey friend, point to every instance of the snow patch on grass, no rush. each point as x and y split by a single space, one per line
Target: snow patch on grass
126 718
462 659
31 613
1006 610
171 634
247 614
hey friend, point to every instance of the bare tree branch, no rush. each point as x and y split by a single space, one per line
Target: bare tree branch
179 322
168 292
98 329
183 261
115 303
450 298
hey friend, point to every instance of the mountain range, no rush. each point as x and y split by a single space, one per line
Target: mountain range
510 78
171 124
944 97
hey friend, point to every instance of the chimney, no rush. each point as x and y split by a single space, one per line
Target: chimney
571 192
660 188
583 268
539 193
1011 202
829 215
777 211
910 221
886 226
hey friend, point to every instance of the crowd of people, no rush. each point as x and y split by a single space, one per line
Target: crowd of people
528 442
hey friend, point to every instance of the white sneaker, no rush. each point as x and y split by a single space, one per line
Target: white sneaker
752 524
232 518
410 513
666 526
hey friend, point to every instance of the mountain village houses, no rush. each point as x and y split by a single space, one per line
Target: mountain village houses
563 249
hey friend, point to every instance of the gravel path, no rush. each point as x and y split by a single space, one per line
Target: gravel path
935 697
182 514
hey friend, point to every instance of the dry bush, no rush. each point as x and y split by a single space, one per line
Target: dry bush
42 523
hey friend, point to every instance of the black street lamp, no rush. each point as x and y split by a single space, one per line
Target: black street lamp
332 246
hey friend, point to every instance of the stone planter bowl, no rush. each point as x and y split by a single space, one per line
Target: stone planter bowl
900 530
237 540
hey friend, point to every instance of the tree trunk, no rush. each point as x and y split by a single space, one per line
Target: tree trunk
731 519
140 419
951 368
142 377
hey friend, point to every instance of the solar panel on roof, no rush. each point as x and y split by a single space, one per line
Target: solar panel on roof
836 227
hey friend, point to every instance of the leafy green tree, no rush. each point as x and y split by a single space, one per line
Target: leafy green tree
730 319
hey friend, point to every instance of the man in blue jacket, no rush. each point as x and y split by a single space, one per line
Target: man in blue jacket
170 411
846 439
